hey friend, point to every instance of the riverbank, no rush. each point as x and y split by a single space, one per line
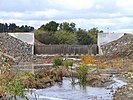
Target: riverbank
100 72
67 91
125 92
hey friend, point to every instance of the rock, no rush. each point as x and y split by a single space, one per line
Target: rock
56 74
21 51
131 56
124 93
119 48
98 81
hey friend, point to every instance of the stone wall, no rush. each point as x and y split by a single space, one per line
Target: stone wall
122 47
20 51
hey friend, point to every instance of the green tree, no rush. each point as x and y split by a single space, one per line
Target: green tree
67 26
12 27
93 33
45 37
1 27
5 27
65 37
51 26
83 37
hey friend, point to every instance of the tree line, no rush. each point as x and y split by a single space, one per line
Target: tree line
66 33
56 33
12 27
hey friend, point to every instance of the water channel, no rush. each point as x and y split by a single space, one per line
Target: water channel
66 91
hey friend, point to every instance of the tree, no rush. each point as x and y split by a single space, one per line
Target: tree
12 27
72 25
1 27
65 37
45 37
93 33
83 37
51 26
5 27
67 27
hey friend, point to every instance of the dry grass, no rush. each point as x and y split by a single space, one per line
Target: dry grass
87 59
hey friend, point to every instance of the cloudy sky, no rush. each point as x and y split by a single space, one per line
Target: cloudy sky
107 15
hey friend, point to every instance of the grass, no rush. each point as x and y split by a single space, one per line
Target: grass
9 85
68 63
82 72
57 62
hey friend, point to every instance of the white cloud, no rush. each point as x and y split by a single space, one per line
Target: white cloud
30 15
125 3
17 14
115 14
73 4
125 20
50 13
128 30
99 6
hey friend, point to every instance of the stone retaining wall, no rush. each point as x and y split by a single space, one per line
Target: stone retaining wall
122 47
19 50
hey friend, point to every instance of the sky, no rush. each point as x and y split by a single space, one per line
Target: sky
106 15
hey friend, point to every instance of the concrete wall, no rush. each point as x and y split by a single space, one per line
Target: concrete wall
65 49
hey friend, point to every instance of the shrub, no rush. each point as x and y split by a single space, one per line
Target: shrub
15 87
68 63
86 59
57 62
10 85
82 72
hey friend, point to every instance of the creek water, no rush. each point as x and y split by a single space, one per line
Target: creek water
65 91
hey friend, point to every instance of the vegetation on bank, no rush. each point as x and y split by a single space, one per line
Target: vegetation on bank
10 85
66 33
12 27
57 33
13 85
82 73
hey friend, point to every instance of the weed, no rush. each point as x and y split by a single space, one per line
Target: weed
57 62
82 72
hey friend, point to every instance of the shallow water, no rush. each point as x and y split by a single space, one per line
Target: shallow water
66 91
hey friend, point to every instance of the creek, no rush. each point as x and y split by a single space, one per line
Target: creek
65 91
